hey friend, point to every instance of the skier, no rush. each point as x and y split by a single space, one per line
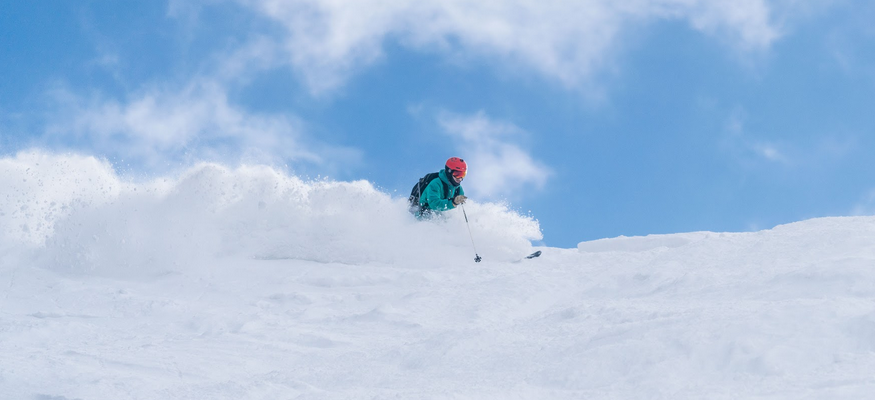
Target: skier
439 191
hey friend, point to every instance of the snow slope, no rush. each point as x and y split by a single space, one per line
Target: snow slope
247 283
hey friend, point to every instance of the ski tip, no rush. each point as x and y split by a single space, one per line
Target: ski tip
533 255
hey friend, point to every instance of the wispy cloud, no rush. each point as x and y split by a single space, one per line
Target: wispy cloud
327 40
800 151
748 149
498 164
197 121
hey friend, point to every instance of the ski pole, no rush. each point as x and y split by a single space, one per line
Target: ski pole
476 256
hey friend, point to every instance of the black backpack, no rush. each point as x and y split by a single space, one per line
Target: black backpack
413 200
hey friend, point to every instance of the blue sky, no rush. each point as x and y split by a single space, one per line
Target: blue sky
600 118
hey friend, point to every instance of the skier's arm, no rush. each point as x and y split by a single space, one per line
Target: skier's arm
432 197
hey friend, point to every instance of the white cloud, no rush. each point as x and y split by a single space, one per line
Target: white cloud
328 40
170 124
745 147
260 53
770 152
746 23
569 41
497 165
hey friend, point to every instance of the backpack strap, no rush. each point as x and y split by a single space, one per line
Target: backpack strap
446 188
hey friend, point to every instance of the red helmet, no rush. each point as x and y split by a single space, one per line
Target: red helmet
457 167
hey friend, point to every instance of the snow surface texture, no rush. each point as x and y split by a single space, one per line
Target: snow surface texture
250 284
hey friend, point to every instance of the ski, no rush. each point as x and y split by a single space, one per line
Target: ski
529 257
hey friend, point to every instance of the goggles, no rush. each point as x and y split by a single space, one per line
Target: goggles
460 174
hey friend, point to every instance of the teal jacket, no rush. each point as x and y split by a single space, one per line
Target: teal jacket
433 197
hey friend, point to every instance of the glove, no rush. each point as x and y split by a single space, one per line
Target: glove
460 199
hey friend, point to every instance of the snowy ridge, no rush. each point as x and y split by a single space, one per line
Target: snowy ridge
191 288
